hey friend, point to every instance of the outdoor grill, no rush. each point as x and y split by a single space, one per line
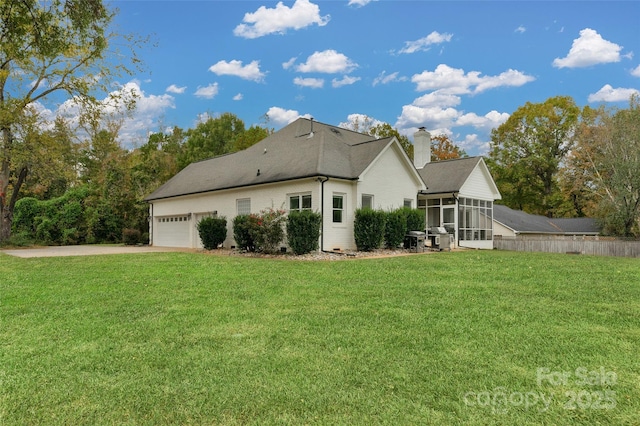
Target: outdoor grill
414 241
439 238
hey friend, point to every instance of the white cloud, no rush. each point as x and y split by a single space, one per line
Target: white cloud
359 3
437 98
238 97
486 122
289 63
383 78
609 94
281 116
248 72
430 117
636 71
278 20
521 29
175 89
472 142
314 83
456 81
436 111
346 80
207 92
328 61
425 43
359 122
511 78
589 49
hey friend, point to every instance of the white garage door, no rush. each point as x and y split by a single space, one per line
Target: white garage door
172 231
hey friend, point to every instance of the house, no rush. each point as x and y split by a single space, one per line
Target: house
512 223
459 195
305 165
334 171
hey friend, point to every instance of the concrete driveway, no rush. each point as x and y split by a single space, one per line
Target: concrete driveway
86 250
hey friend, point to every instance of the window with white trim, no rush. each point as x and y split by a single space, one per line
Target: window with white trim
338 208
243 206
408 202
299 202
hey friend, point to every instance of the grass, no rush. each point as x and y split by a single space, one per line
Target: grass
448 338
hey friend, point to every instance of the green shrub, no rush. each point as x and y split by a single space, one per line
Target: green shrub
414 218
243 230
212 231
303 231
131 237
21 239
70 236
259 232
45 230
24 214
269 232
369 227
395 228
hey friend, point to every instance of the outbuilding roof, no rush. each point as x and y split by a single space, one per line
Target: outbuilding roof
304 148
525 223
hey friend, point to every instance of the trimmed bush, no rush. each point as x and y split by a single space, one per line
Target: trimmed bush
303 231
395 228
259 232
131 237
414 218
243 229
369 227
212 231
270 230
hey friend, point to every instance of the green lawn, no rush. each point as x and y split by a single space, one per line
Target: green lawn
447 338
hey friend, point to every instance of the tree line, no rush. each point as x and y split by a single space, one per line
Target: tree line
559 160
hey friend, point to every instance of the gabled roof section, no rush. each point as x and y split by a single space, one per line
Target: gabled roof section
524 223
448 176
304 148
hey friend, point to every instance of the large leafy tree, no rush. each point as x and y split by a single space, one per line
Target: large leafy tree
604 169
48 48
212 137
527 151
218 135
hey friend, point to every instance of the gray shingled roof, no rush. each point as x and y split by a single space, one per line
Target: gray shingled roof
526 223
291 153
447 176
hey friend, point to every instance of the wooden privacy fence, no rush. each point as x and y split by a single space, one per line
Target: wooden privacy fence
599 246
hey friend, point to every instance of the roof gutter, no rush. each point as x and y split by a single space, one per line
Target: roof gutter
206 191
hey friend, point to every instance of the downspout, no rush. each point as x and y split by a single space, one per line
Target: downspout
151 226
322 181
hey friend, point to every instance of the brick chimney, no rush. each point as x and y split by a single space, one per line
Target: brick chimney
421 148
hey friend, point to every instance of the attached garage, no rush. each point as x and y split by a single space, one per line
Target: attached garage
173 231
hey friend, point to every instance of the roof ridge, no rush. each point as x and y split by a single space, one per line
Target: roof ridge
372 140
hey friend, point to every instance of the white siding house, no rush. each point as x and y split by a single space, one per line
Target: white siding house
304 165
330 170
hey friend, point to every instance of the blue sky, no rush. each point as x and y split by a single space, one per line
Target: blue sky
455 67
